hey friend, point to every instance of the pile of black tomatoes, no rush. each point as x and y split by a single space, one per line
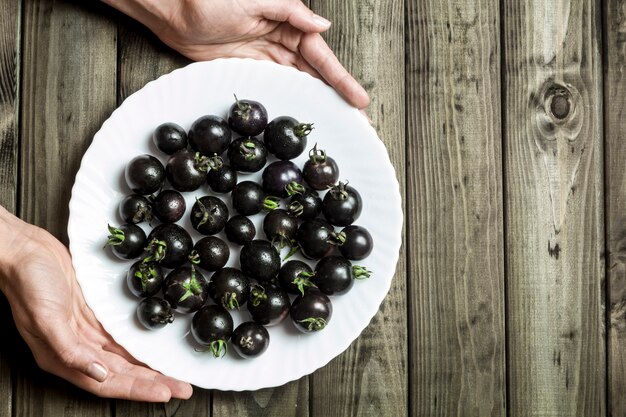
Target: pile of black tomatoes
305 210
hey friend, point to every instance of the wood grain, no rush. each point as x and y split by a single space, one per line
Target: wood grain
69 62
10 31
554 208
454 177
370 378
615 154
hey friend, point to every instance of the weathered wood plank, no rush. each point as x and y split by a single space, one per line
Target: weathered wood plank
143 58
554 208
615 150
68 90
370 378
10 31
454 188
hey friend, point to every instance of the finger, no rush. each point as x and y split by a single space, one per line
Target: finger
304 66
294 12
315 50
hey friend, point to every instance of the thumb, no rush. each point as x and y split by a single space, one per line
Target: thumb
295 13
84 360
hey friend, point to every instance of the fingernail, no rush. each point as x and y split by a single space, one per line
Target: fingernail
97 372
320 21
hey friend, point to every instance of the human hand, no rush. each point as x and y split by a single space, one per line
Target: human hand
38 280
284 31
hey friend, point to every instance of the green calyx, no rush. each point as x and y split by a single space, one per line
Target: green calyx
294 188
295 209
205 213
215 162
229 301
339 192
294 249
218 348
201 163
314 324
303 129
257 295
144 213
243 109
360 272
303 282
145 273
317 156
116 236
247 149
271 203
194 257
157 250
337 239
192 286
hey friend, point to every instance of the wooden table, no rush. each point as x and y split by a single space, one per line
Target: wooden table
506 122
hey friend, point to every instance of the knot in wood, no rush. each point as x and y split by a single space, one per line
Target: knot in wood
559 103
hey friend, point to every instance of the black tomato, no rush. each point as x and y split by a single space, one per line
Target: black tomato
282 179
268 305
229 287
280 228
144 279
154 313
320 171
209 215
316 238
135 209
250 339
333 275
247 117
259 260
212 326
249 198
240 229
144 174
169 245
169 206
170 138
305 206
247 154
222 178
311 312
186 170
355 242
210 135
342 205
127 241
295 277
186 289
285 137
211 253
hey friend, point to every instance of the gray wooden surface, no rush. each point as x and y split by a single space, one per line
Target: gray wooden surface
506 122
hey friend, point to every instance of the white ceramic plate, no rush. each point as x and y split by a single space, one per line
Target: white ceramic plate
181 97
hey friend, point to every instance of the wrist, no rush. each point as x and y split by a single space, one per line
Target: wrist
150 13
13 235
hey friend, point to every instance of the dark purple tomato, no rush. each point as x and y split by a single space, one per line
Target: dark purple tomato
282 179
144 174
333 275
169 245
285 137
240 230
186 170
209 215
259 260
210 135
248 198
135 209
280 228
250 339
144 279
296 277
186 289
127 241
355 242
342 205
311 312
247 154
154 313
268 305
212 326
320 171
170 138
169 206
316 238
222 178
229 287
247 117
305 206
211 253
